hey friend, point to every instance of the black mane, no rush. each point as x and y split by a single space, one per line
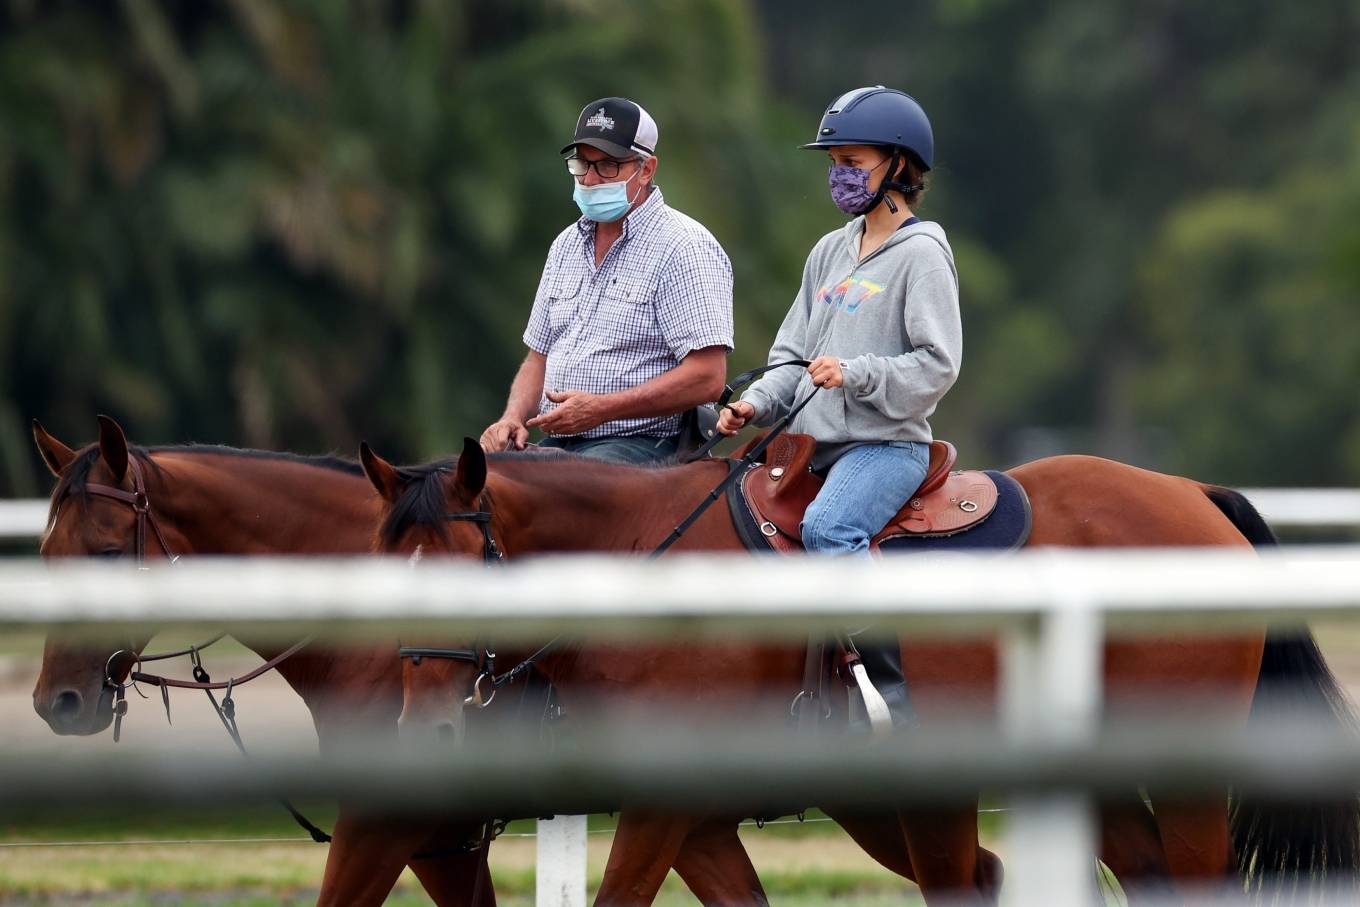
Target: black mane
421 503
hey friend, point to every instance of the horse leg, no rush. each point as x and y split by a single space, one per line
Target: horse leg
880 836
450 879
716 867
1131 847
646 846
1197 842
366 857
945 855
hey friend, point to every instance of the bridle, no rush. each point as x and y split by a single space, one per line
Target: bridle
140 502
484 657
482 654
491 554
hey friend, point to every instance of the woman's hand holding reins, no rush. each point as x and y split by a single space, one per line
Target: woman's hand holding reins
734 416
826 371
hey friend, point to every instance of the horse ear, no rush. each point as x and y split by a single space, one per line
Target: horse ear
471 475
55 454
113 447
381 473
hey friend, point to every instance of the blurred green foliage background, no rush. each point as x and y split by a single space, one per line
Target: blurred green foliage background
299 223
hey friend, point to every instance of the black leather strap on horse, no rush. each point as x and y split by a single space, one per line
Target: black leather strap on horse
491 553
729 390
483 657
738 466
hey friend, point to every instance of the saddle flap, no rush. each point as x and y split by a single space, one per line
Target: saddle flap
962 501
782 488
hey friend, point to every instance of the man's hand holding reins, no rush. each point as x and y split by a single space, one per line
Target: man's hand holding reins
576 411
734 416
505 434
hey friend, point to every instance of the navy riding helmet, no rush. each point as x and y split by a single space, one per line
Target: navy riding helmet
880 116
877 116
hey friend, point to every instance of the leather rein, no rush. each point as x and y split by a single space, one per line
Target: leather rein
483 656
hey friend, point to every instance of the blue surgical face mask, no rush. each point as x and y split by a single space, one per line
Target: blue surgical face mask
604 203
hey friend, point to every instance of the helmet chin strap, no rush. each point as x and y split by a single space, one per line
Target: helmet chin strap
891 185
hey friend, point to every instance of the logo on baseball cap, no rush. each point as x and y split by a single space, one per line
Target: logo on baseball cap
617 126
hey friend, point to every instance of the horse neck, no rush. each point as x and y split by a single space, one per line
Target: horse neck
574 506
544 506
219 504
228 505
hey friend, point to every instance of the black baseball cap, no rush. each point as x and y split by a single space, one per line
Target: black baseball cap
617 126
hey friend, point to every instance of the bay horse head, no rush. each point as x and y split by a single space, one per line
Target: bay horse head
99 508
440 509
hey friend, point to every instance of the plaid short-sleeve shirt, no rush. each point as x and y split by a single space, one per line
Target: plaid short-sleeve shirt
663 291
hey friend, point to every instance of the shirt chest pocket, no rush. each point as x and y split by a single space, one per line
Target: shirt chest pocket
564 298
627 311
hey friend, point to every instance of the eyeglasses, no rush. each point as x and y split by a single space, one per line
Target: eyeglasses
607 168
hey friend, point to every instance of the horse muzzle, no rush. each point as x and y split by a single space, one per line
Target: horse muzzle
71 713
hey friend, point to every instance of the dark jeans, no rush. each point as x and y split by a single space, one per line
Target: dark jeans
634 450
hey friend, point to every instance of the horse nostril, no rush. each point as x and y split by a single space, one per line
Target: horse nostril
447 732
66 705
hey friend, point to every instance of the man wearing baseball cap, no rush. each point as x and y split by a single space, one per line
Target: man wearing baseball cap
632 321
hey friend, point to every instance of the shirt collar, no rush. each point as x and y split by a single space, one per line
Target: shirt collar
637 219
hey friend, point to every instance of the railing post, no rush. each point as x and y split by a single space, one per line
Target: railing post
561 876
1051 693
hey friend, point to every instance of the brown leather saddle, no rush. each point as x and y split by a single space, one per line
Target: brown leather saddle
778 491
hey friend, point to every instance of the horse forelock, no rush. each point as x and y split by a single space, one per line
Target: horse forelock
75 478
421 502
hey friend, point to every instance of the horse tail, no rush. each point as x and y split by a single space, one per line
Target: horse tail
1243 515
1279 845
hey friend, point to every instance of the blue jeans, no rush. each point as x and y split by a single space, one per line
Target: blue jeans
633 450
863 490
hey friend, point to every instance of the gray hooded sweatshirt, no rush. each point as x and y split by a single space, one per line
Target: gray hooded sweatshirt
893 320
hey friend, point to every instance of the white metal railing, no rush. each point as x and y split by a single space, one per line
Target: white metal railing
1052 609
1281 507
23 519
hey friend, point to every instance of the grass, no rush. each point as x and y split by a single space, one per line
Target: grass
800 864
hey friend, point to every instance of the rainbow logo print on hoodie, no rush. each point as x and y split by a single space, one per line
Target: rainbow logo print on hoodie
850 293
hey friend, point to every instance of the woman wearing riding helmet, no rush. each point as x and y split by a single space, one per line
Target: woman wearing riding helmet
878 315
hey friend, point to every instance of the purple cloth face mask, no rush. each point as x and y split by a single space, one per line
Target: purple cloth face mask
850 189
